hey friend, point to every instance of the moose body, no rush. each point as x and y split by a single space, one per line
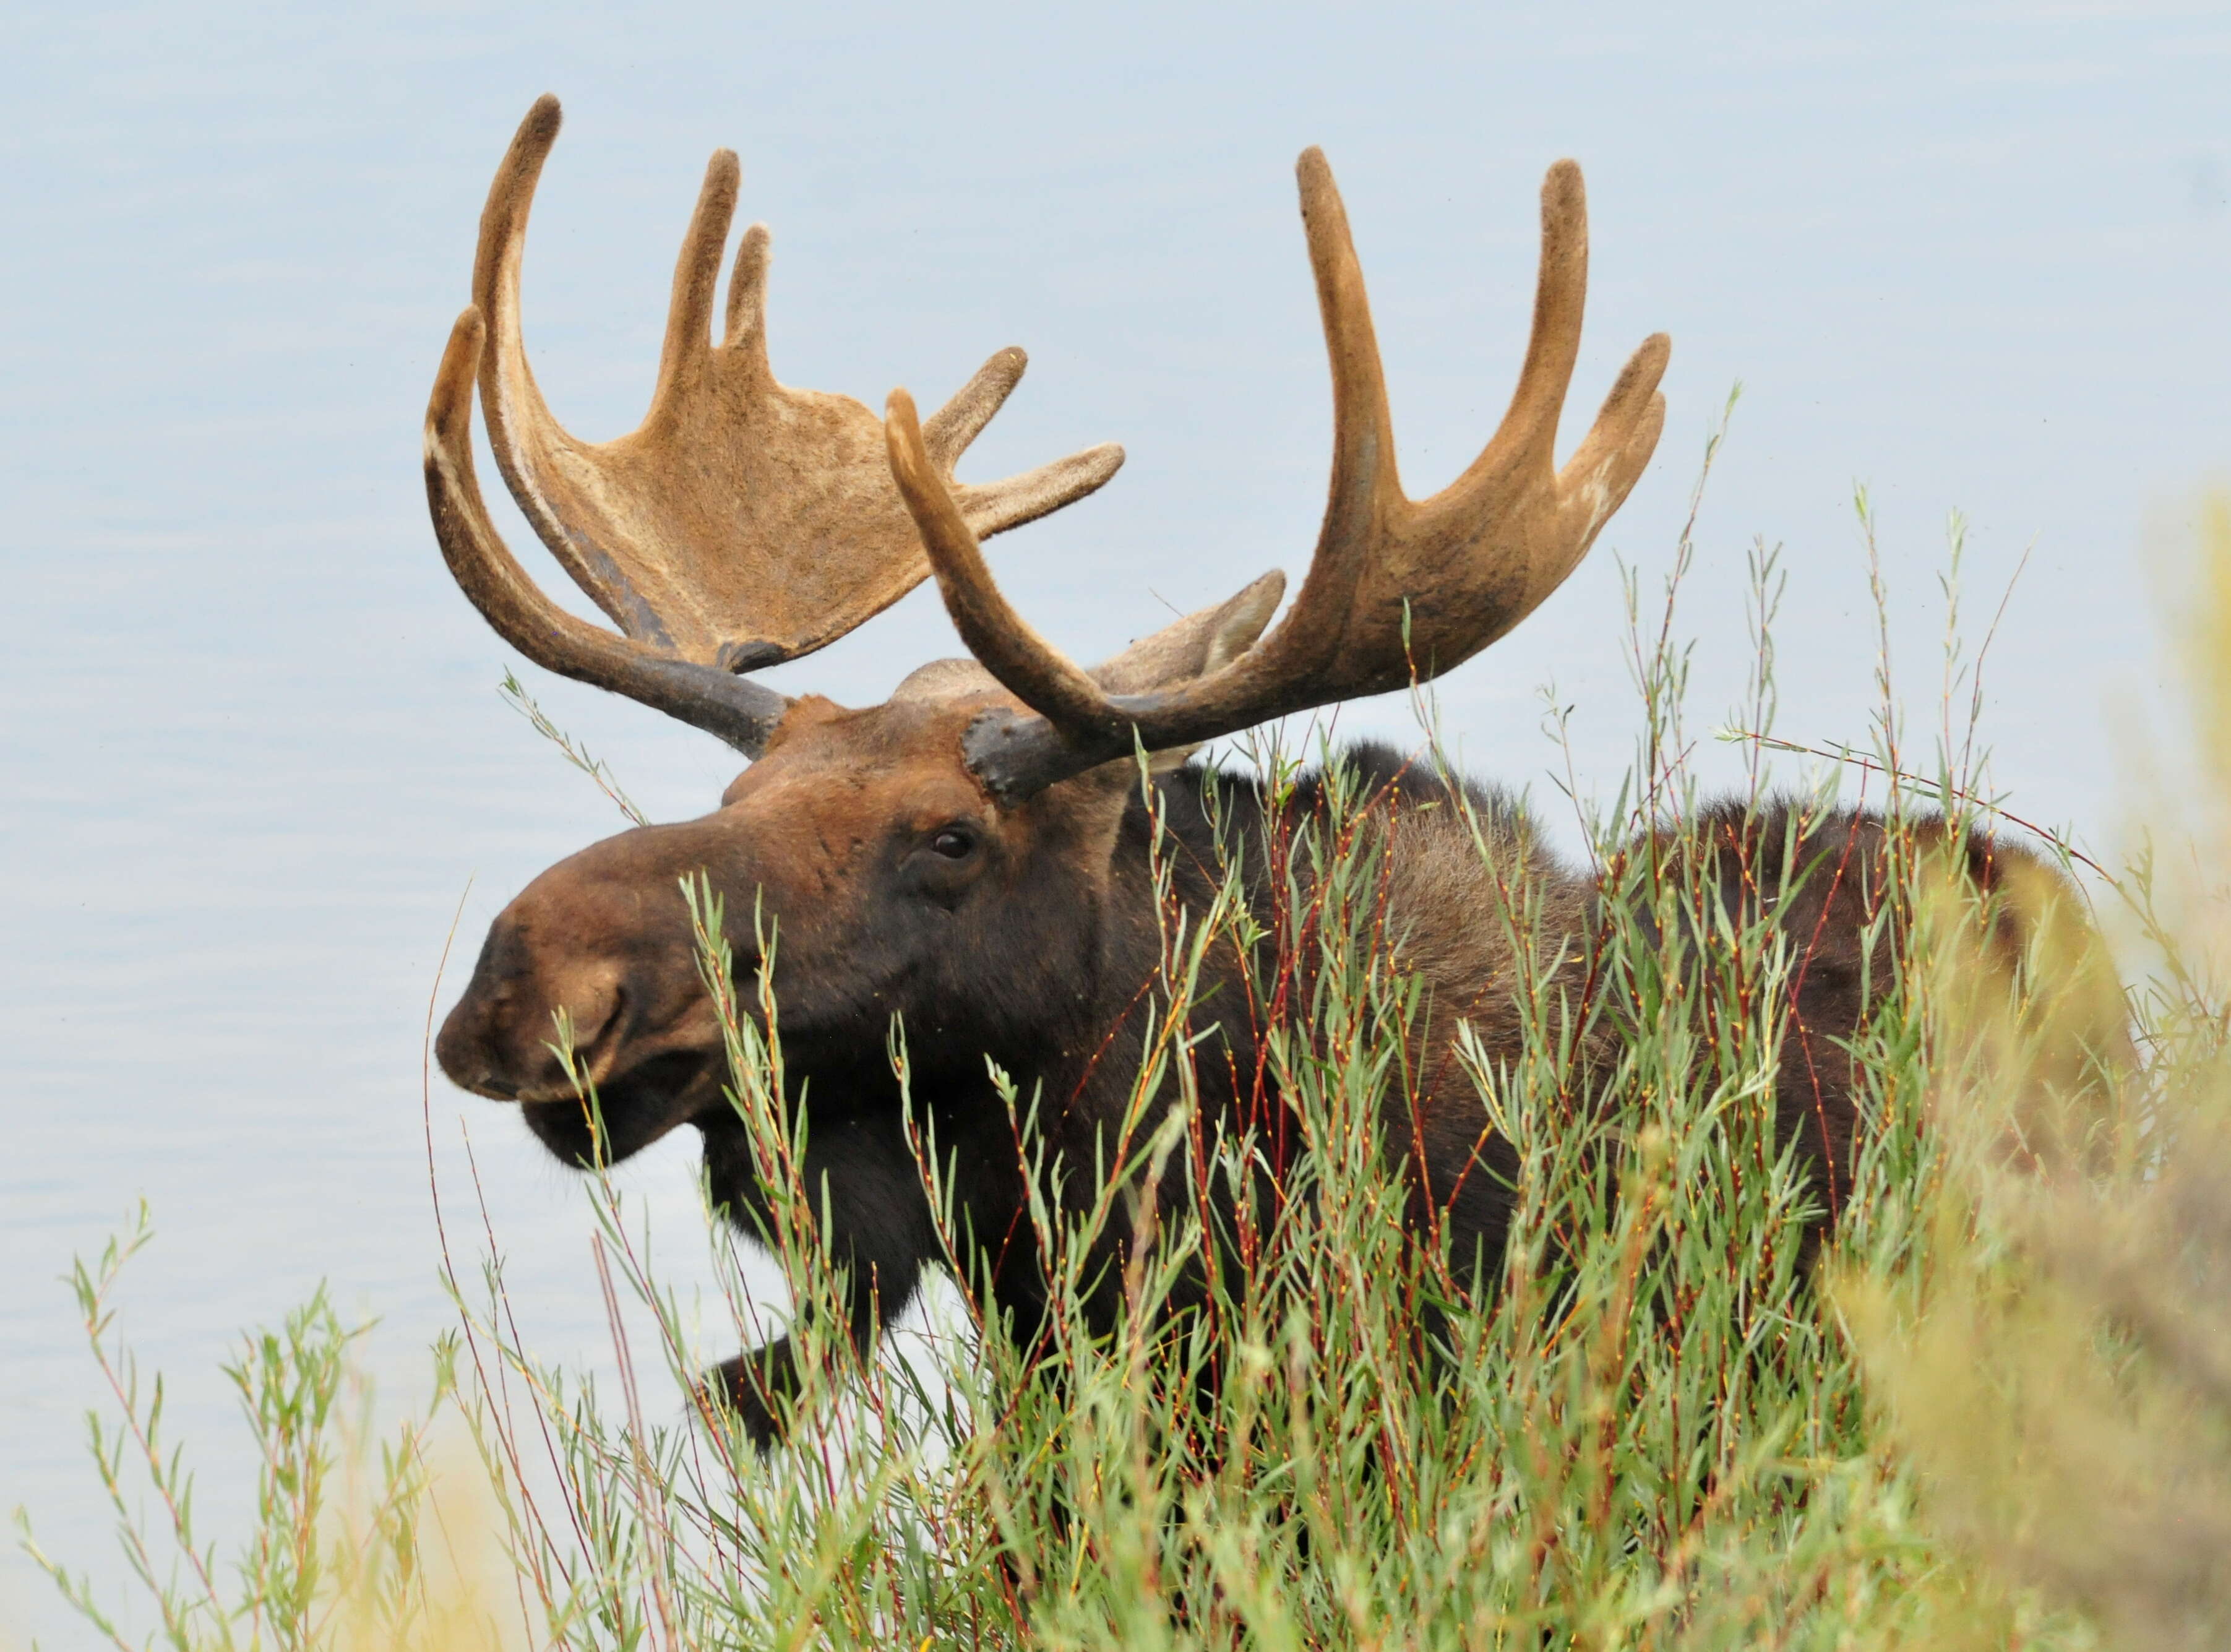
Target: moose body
975 858
1039 951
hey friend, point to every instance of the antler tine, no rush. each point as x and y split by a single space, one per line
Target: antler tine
1613 455
1397 590
1364 477
1529 430
739 711
994 507
747 327
696 272
510 391
955 425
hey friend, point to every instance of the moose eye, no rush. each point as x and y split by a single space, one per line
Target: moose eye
955 843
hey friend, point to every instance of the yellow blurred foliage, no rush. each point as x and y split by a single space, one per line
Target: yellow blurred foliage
2058 1368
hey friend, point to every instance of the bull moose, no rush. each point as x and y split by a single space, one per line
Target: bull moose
976 855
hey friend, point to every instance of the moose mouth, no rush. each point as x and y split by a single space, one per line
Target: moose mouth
636 1108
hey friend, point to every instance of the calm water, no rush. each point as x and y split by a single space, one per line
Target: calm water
253 758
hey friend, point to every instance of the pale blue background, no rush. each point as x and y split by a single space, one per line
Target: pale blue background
251 751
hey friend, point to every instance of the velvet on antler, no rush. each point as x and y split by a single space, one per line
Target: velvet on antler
743 523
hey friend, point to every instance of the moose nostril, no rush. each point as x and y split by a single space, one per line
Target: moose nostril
470 1058
589 1007
460 1048
584 1027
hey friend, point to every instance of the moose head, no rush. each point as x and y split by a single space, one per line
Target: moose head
947 856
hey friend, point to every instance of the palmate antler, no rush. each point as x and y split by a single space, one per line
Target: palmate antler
744 523
1398 590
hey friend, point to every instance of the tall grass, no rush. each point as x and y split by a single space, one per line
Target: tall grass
1997 1413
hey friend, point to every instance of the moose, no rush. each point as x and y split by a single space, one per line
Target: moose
975 858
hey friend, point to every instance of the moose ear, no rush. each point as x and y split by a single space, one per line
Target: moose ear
1202 642
1094 802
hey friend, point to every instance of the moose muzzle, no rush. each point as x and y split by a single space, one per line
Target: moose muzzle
594 960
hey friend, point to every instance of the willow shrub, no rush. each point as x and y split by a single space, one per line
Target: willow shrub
1997 1413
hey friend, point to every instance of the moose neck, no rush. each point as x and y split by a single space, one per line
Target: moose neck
1066 1010
1085 1047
